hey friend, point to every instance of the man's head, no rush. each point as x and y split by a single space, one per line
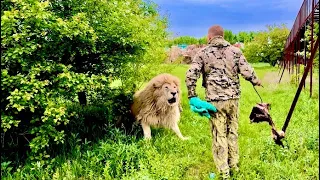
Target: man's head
214 31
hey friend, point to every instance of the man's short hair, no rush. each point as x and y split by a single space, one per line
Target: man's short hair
215 30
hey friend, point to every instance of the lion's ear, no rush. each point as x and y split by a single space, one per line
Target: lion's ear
177 82
154 85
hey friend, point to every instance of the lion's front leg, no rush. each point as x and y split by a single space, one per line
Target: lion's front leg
146 130
180 108
176 129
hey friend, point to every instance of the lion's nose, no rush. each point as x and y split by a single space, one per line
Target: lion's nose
173 93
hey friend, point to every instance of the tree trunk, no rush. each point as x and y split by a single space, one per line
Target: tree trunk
82 98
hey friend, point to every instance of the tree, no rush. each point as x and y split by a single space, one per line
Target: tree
229 36
267 46
252 34
203 40
184 40
277 37
188 40
245 37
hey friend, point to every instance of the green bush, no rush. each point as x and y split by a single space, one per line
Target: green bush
307 38
88 121
56 53
92 122
267 46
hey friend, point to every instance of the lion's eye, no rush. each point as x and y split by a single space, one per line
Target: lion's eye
166 87
174 87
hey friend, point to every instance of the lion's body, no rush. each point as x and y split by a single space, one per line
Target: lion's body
158 104
165 117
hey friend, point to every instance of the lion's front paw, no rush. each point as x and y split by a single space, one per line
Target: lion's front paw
185 138
147 138
181 109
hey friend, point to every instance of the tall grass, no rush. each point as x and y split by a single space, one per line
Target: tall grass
167 157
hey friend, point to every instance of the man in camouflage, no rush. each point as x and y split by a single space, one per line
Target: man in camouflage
220 63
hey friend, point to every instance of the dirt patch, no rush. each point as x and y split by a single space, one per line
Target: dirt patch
174 53
186 55
274 77
191 51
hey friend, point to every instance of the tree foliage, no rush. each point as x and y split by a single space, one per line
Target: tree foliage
307 38
53 50
183 40
230 37
242 37
203 40
267 46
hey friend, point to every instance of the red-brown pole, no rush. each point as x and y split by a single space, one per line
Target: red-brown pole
296 97
305 51
312 26
299 57
284 68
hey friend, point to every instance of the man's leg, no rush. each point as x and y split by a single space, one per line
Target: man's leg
232 135
220 144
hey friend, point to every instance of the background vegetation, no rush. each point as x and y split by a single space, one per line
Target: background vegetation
242 37
263 46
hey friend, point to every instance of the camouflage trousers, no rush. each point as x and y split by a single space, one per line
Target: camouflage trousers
224 126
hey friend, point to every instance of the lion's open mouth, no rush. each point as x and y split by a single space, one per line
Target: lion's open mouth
172 100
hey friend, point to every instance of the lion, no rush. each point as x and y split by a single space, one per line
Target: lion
159 105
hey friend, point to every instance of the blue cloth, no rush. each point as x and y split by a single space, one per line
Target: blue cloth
201 107
212 176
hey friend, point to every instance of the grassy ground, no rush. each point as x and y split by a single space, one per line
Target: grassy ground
167 157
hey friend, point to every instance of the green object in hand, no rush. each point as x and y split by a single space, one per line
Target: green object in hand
201 107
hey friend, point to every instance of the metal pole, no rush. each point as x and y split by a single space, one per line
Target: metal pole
305 51
312 26
284 68
290 56
296 97
296 57
293 55
281 64
299 56
298 73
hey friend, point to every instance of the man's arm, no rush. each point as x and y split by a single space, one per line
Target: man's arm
247 71
193 74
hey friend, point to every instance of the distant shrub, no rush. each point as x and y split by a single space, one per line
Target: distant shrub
183 40
267 46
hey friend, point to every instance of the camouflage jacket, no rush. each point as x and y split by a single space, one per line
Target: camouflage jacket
219 63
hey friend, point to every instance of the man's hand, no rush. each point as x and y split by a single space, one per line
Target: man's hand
201 111
258 83
201 107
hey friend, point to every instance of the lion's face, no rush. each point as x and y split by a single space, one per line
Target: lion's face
171 93
166 93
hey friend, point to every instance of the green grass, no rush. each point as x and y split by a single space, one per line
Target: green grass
167 157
